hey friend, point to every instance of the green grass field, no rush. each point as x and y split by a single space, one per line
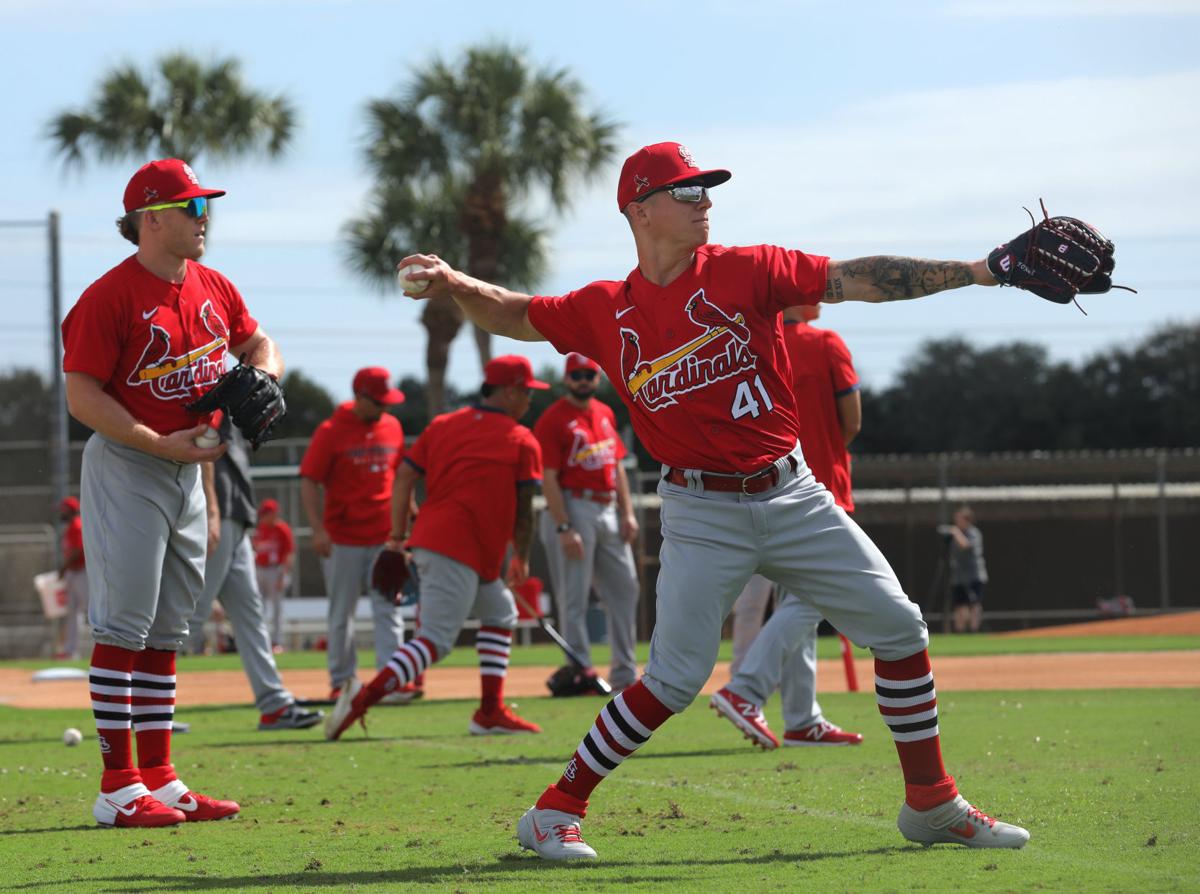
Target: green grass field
1107 782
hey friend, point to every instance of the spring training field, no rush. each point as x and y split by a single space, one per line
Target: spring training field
1107 782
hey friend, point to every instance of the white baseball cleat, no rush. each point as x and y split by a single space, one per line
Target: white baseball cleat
957 822
343 715
553 835
746 716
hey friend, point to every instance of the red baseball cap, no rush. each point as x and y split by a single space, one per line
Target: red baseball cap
662 164
165 180
575 361
511 369
374 382
268 505
68 503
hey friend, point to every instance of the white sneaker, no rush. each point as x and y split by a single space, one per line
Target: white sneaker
957 822
340 718
553 835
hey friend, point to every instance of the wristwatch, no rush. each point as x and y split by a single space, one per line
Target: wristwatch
563 528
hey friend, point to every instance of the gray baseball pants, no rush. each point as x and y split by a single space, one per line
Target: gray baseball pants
450 593
347 577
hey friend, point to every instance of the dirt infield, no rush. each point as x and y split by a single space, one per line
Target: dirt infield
1181 624
1096 670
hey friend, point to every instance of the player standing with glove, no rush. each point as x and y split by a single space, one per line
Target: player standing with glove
141 344
693 336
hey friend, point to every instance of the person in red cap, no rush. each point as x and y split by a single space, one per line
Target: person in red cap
274 547
352 457
73 573
588 526
140 345
693 339
481 469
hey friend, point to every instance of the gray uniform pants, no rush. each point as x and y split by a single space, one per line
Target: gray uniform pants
144 535
272 583
229 577
450 593
607 564
347 577
793 534
782 655
76 586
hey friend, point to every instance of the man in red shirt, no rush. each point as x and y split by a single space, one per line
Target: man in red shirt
73 573
141 343
783 655
481 468
274 546
353 456
694 338
588 524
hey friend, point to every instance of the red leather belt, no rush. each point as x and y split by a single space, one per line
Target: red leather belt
757 483
603 497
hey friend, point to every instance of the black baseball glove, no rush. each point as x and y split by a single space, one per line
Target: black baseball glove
390 573
570 680
251 398
1057 258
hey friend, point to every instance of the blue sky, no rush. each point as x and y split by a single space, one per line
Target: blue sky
914 128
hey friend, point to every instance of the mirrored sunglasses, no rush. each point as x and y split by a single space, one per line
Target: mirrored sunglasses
194 208
581 375
693 194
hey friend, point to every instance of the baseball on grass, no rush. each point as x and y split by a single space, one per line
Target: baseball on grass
411 287
72 736
209 438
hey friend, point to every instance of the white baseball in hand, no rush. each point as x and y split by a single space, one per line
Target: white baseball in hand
411 287
209 438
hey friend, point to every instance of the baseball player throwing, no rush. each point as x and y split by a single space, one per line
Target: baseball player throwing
693 337
142 342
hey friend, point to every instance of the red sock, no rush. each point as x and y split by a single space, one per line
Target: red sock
621 727
908 702
109 683
153 713
492 644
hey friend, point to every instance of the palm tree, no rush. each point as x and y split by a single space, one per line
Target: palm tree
453 156
181 109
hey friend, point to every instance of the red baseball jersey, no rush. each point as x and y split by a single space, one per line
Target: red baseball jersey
822 372
581 443
72 539
356 462
700 362
155 345
273 543
473 460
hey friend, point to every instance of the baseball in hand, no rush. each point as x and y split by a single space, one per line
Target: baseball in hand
209 438
411 287
72 737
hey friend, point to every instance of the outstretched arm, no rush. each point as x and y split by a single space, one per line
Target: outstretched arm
490 307
888 278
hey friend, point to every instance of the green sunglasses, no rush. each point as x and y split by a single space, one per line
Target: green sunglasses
195 208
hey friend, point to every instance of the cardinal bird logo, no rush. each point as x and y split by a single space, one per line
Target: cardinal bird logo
176 376
719 351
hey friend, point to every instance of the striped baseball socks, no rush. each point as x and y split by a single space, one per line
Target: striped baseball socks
109 681
492 645
153 703
406 664
621 728
908 702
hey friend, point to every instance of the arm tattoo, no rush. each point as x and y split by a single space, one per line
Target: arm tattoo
889 278
523 526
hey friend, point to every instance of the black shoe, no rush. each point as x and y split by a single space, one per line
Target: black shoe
291 717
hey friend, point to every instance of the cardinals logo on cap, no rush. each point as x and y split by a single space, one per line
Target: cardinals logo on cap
641 182
686 154
151 194
190 174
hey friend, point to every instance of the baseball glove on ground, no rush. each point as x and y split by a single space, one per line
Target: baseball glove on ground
1057 258
390 573
251 398
570 680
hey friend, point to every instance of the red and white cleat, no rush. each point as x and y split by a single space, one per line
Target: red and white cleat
553 835
746 716
501 722
345 711
957 822
821 733
196 808
134 807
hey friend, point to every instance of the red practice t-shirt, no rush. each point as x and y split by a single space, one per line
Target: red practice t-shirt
155 345
72 539
581 443
472 459
822 372
700 362
273 543
356 462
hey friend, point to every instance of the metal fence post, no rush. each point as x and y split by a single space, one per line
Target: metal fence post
1164 569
